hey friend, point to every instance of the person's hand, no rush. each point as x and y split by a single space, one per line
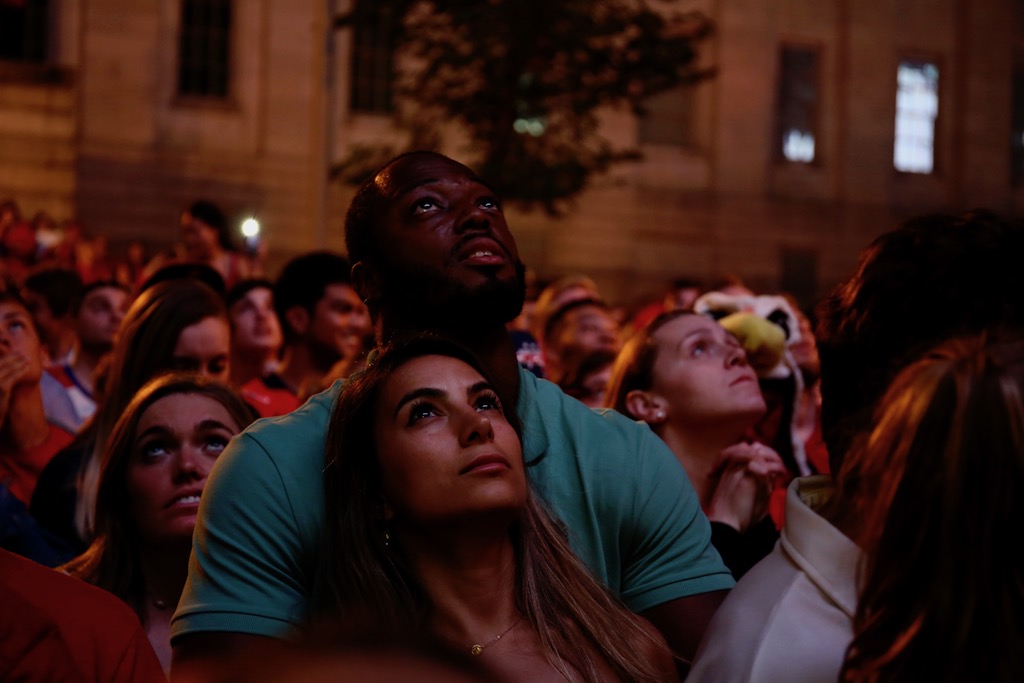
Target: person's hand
12 368
742 481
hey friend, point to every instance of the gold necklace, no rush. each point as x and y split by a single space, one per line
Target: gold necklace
478 649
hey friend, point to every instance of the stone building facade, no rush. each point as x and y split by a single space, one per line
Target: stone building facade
828 122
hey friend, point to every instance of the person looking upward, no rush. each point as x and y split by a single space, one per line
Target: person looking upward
424 486
431 251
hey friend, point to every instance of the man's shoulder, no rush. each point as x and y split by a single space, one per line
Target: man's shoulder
548 403
563 434
288 448
305 426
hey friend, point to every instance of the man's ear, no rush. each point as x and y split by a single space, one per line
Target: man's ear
364 281
643 405
297 318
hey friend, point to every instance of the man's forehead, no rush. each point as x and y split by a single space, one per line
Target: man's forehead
11 308
408 173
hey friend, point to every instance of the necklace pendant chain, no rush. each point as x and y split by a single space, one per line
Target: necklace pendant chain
478 649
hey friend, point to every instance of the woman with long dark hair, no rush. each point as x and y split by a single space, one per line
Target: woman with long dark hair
431 525
932 496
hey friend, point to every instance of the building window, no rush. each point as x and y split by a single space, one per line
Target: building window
204 58
796 128
917 108
800 274
668 118
23 25
373 47
1017 125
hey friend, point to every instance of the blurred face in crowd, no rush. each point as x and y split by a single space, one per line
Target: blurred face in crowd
48 325
199 239
203 348
254 324
177 440
444 446
586 329
99 317
702 374
340 324
805 351
21 352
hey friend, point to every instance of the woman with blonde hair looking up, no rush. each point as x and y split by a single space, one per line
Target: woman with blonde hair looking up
689 379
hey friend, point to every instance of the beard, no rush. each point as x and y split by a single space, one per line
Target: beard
427 300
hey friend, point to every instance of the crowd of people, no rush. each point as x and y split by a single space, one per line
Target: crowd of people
493 479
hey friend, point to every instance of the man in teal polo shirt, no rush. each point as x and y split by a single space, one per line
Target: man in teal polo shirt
432 251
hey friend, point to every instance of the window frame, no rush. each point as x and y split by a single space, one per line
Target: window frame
209 100
778 124
936 60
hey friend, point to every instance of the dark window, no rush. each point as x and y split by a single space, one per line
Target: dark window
796 115
204 60
1017 125
800 274
669 118
373 46
23 25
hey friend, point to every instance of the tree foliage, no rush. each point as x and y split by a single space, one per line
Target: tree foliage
526 79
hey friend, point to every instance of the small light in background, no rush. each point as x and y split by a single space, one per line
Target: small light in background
250 228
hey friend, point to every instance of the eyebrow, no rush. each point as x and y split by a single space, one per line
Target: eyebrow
207 424
429 392
433 392
15 313
688 335
406 189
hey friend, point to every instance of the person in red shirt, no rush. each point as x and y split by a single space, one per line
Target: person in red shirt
56 628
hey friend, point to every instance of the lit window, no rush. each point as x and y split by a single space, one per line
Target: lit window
917 106
373 46
204 56
797 104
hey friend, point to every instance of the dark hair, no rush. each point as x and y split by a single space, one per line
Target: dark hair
303 282
933 278
88 289
557 316
934 488
10 295
112 560
634 366
572 614
187 270
211 214
60 287
243 287
144 348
